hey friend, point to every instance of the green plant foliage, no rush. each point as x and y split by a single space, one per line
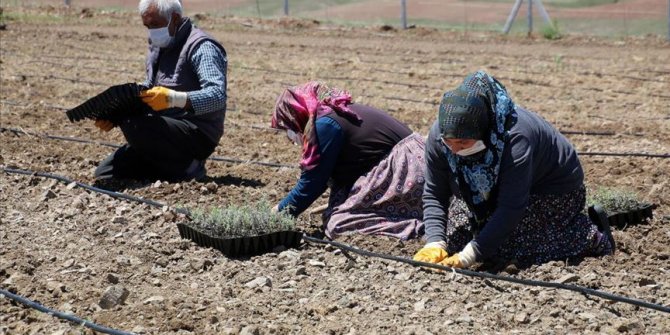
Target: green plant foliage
558 62
613 200
551 32
244 220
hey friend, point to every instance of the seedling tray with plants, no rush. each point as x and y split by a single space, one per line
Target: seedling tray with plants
632 216
623 207
239 231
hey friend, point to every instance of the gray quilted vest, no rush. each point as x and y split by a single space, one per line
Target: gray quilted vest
171 68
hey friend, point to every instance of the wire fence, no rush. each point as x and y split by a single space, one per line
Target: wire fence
550 18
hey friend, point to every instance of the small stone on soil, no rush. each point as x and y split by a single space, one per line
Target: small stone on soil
647 281
259 282
113 278
317 264
138 330
113 296
157 299
464 319
230 331
250 330
69 263
521 317
420 306
300 271
47 195
569 278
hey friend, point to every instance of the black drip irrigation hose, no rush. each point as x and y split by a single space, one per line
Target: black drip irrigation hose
528 282
528 82
345 248
279 165
565 132
624 154
20 105
73 80
61 315
112 145
370 80
376 62
592 133
241 161
92 188
523 81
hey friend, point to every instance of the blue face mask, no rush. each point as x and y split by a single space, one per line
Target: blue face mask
160 37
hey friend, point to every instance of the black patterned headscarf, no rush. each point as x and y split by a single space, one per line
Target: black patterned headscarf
478 109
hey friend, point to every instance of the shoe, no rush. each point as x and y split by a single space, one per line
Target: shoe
598 215
196 170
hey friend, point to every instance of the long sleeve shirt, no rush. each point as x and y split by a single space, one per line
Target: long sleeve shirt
314 182
537 160
347 150
210 64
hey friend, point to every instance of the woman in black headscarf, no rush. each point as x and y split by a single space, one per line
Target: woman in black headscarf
502 183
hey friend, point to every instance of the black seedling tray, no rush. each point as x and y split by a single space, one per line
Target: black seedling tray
113 104
242 246
632 217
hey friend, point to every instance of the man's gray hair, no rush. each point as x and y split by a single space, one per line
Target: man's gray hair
165 7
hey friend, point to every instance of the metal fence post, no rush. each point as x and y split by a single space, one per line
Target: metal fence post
286 7
512 15
530 17
403 13
668 20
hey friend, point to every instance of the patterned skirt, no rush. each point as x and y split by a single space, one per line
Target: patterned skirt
385 201
554 227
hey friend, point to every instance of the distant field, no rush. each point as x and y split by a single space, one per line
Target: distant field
597 17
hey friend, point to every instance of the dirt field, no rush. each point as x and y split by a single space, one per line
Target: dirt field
64 247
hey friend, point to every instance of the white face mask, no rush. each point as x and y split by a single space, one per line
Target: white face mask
160 37
475 148
293 136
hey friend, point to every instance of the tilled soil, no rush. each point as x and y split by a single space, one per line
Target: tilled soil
64 247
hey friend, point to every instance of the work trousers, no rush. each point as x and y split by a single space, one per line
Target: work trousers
158 147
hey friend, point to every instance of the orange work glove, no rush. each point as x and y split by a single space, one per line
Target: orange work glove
160 98
431 253
104 125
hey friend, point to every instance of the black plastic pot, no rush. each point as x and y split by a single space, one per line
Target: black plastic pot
242 246
631 217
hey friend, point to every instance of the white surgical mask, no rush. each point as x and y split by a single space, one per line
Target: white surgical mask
475 148
160 37
293 136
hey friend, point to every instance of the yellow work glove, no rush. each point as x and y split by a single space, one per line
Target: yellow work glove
452 262
431 253
160 98
104 125
463 259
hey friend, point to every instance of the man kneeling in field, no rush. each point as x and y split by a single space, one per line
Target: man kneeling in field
186 70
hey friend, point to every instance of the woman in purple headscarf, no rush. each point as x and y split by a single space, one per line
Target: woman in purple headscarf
372 162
